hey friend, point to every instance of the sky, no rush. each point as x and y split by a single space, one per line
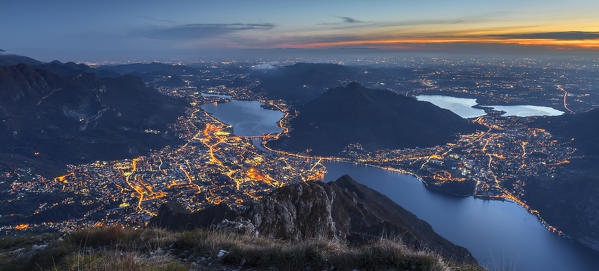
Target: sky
130 30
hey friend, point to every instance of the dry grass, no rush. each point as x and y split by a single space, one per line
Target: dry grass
112 260
115 248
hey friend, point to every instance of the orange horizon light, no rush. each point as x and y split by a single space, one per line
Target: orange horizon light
399 43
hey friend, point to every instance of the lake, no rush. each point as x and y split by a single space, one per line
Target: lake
215 95
461 106
526 110
501 235
248 118
464 107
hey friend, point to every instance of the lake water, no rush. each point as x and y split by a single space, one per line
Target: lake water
461 106
464 107
247 117
526 110
216 95
501 235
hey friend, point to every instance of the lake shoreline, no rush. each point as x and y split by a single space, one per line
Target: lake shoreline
493 230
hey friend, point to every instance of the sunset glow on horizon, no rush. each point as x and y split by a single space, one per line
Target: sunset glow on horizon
117 30
409 43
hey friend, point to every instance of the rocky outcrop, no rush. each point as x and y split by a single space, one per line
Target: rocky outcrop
296 212
343 210
347 211
174 217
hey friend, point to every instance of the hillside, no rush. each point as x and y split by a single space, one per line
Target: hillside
77 118
569 200
376 119
11 60
71 68
583 127
113 248
341 225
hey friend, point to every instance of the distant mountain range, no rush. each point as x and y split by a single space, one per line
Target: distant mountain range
11 60
150 72
71 68
148 68
146 71
376 119
302 82
570 200
57 67
76 116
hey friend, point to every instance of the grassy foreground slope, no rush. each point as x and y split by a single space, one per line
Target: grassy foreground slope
114 248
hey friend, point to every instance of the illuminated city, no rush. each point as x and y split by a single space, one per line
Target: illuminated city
215 166
299 135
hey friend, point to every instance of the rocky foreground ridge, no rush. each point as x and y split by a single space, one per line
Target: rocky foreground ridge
344 211
341 225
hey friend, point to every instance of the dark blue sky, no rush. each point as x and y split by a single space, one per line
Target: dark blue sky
132 30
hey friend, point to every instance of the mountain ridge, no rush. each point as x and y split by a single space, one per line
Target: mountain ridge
343 210
568 200
302 82
81 117
374 118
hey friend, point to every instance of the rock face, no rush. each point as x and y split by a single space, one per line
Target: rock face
296 212
174 217
347 211
343 210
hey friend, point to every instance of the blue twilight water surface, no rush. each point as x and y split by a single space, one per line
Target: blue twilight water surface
464 107
501 235
247 117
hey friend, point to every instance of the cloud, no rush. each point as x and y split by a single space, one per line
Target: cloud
157 20
569 35
350 20
345 21
437 22
351 23
200 31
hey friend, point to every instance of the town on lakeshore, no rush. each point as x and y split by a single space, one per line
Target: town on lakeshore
213 165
